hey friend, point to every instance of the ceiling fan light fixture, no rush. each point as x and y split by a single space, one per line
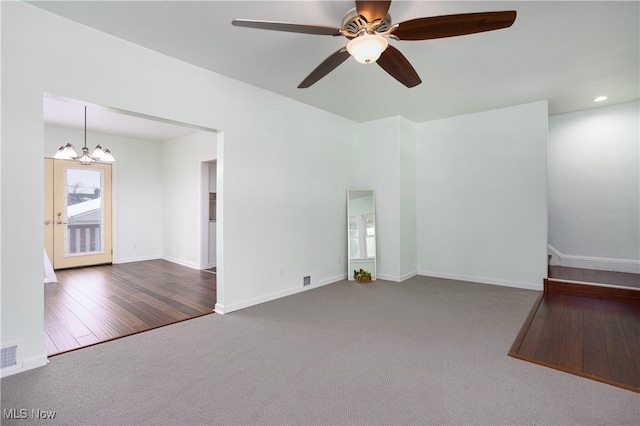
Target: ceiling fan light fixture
367 48
599 99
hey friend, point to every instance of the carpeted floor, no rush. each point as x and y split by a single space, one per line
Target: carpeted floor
425 351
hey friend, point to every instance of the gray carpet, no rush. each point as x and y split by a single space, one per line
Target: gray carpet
426 351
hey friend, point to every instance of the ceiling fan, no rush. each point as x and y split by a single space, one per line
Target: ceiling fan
369 24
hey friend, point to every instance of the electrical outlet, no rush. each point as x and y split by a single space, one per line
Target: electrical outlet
281 271
135 246
339 260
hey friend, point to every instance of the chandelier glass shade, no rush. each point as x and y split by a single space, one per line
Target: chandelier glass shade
367 48
67 152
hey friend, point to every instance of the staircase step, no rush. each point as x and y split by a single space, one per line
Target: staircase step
591 290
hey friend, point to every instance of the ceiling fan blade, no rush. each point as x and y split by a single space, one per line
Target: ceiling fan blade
372 10
328 65
394 63
287 26
453 25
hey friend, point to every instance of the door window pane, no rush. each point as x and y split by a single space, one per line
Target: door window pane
84 211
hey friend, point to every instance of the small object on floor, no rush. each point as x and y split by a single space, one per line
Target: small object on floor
362 276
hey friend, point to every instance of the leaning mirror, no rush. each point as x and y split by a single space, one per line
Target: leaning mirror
361 231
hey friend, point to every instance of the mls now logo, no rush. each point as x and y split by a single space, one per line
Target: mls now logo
42 414
14 413
23 413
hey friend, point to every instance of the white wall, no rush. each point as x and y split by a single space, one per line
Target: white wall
271 169
594 187
182 194
137 191
212 176
213 170
482 196
480 179
408 220
386 163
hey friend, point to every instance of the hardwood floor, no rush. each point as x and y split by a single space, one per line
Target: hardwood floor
100 303
593 337
595 276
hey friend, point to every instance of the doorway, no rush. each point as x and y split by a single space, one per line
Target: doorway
77 213
593 196
97 304
153 276
209 221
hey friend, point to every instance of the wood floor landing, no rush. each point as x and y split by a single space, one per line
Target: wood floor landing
592 336
100 303
623 279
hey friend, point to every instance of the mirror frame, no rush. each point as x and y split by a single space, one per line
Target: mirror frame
366 263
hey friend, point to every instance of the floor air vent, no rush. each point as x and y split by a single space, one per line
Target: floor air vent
310 279
10 356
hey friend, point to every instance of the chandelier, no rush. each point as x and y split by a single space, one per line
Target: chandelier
67 152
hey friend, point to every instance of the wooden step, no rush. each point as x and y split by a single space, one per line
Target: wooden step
591 290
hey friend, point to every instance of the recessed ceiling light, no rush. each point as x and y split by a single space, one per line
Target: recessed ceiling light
599 99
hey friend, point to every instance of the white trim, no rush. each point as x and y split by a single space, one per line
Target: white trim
27 364
597 263
115 223
222 309
331 280
212 265
182 262
220 273
408 275
137 259
483 280
397 278
204 209
592 283
129 113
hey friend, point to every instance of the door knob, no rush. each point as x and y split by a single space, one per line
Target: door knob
47 222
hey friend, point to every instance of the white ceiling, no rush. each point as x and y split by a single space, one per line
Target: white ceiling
566 52
70 113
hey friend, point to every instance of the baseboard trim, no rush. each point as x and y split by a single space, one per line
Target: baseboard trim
137 259
167 258
181 262
225 309
408 275
27 364
397 278
481 280
597 263
219 309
